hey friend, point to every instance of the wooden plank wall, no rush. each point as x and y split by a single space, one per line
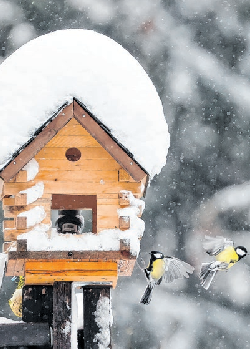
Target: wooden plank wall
95 173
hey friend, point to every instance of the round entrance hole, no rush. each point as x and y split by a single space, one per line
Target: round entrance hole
73 154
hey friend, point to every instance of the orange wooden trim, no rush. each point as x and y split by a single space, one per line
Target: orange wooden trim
38 143
112 147
47 272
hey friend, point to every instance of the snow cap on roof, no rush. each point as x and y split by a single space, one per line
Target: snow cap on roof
37 79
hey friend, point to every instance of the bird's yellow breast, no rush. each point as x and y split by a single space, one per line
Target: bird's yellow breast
228 256
158 268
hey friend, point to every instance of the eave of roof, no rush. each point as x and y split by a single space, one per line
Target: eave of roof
54 124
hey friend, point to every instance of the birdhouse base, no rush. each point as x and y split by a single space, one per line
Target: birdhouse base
41 272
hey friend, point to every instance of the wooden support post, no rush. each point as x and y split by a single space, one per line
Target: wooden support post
97 317
37 303
62 315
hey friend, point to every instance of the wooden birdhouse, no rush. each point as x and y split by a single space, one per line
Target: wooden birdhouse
82 132
73 182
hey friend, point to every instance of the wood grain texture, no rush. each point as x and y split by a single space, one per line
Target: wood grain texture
72 141
21 176
62 319
124 176
12 234
13 211
9 224
37 304
8 201
80 165
86 152
79 176
114 149
38 143
47 272
15 267
21 199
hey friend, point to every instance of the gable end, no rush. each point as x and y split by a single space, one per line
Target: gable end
89 122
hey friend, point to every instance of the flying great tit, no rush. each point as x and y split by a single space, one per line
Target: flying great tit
226 257
161 267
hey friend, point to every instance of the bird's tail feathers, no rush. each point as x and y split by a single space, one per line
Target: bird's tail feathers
147 295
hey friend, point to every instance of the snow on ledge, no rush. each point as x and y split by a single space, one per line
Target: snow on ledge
34 215
32 168
40 239
52 69
33 193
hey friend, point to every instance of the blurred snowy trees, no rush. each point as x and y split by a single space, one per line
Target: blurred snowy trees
197 54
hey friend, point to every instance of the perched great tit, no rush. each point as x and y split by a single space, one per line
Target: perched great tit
161 267
226 257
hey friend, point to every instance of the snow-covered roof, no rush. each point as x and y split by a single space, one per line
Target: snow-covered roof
37 79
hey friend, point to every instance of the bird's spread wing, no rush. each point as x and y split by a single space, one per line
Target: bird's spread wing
176 269
214 245
209 270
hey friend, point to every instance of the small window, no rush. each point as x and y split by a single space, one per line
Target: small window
74 213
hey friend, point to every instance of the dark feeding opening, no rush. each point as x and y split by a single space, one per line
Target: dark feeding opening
73 154
69 221
72 221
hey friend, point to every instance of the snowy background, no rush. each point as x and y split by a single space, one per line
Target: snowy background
197 55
